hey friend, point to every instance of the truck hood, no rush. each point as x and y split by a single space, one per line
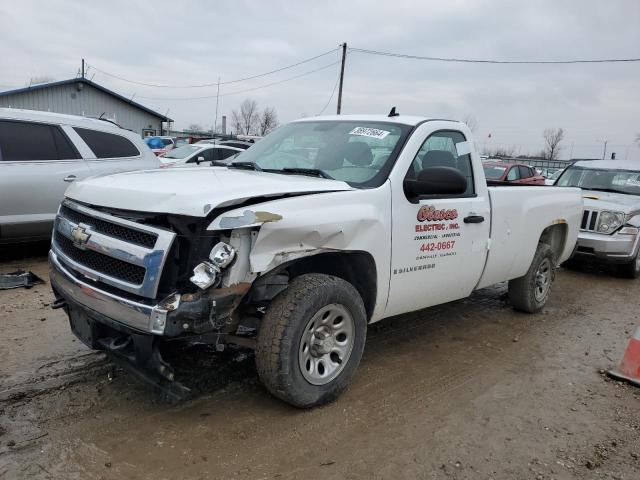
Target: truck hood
192 191
615 202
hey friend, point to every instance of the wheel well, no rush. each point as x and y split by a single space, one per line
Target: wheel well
555 236
357 268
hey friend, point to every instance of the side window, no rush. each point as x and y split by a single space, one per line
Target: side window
441 150
24 141
107 145
525 172
513 174
225 153
209 155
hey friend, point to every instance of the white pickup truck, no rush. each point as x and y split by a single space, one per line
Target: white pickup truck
326 225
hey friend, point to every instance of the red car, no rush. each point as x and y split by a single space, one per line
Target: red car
512 173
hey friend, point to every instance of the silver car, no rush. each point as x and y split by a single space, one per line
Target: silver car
610 228
41 153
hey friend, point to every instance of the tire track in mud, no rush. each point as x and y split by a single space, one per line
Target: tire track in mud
78 369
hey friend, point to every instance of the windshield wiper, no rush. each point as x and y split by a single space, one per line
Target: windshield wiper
315 172
245 166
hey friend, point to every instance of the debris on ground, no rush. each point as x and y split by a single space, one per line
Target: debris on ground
19 279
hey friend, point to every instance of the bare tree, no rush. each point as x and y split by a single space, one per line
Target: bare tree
552 139
638 139
247 120
504 151
471 122
268 120
194 127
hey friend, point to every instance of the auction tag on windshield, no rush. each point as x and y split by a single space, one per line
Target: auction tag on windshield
369 132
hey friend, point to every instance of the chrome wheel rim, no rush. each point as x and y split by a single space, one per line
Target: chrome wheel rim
326 344
543 280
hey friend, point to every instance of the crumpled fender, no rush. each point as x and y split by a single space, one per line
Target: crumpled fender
292 228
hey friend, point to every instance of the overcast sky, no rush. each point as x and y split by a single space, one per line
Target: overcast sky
194 42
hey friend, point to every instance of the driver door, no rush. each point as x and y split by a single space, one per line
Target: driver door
439 243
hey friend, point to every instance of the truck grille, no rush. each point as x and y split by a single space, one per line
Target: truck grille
127 234
589 220
100 263
120 253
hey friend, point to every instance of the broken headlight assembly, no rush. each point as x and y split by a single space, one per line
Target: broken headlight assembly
609 222
207 273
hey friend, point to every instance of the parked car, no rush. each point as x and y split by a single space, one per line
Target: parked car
610 226
551 179
230 143
196 154
160 145
42 153
512 173
294 254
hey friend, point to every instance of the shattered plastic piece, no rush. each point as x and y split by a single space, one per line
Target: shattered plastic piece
249 218
19 279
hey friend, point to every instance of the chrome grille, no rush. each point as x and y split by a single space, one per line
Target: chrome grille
113 267
133 236
118 252
589 220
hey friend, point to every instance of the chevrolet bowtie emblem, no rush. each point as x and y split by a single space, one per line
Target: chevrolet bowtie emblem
80 237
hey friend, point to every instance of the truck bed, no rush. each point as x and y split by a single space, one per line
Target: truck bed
518 218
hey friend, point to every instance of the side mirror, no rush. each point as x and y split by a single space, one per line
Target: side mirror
436 181
199 160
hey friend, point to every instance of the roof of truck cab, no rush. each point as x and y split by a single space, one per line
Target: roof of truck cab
610 164
400 119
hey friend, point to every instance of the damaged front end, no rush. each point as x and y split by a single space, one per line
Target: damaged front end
108 270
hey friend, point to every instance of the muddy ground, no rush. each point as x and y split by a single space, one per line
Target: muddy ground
468 390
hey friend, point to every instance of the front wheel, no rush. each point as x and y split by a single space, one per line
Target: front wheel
311 340
631 269
530 292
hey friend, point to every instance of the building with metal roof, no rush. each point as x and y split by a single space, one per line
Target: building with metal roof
81 96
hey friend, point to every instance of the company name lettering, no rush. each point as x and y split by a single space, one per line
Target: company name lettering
430 214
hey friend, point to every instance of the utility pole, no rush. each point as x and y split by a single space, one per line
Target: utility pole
215 124
83 68
344 57
604 152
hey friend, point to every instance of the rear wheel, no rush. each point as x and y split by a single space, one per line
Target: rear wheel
530 292
631 269
311 340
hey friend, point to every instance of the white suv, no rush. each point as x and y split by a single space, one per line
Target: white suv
41 153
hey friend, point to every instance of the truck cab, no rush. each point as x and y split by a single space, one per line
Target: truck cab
326 225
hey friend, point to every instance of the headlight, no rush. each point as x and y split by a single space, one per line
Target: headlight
222 255
206 273
609 221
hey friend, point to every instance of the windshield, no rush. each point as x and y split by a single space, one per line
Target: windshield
555 175
493 172
621 181
359 153
182 152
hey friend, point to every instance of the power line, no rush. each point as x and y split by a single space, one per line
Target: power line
245 90
331 97
158 85
468 60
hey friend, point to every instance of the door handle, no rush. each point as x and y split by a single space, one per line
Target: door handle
474 219
69 178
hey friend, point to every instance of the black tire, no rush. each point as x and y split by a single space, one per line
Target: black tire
281 330
631 269
522 291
